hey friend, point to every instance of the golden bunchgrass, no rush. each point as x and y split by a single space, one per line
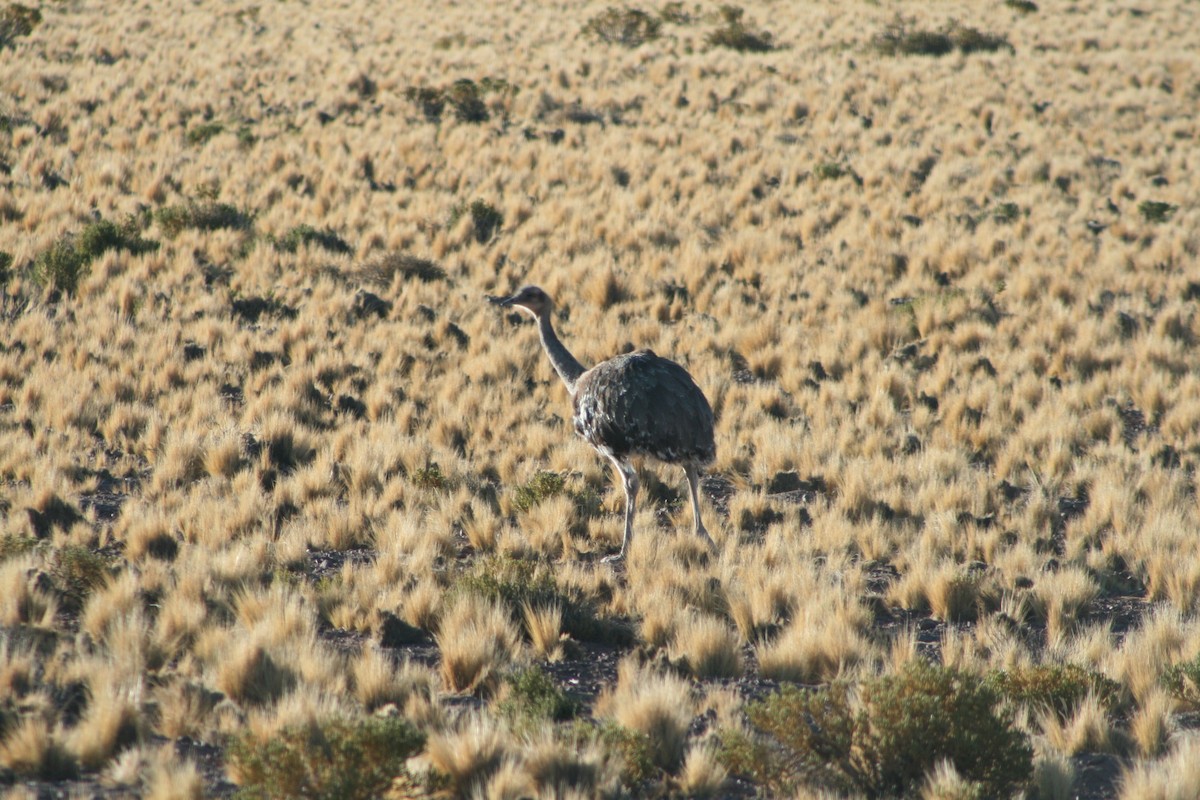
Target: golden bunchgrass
936 292
477 640
655 705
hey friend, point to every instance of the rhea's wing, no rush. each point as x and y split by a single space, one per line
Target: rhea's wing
640 403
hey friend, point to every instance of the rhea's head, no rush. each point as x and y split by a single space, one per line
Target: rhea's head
527 298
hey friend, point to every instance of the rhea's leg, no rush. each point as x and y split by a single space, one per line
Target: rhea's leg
693 478
629 480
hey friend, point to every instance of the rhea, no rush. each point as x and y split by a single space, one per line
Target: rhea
636 404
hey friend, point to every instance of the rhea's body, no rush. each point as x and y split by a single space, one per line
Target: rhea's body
636 404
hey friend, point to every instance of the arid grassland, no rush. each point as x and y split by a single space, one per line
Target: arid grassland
290 510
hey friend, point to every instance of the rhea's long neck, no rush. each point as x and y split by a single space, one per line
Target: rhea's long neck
565 364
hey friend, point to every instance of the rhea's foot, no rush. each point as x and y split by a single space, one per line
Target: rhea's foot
615 558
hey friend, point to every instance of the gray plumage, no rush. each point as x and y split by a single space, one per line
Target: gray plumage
642 404
630 405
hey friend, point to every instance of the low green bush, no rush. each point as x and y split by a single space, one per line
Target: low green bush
531 696
516 583
628 27
301 235
541 486
65 263
734 34
486 219
1183 681
203 132
901 38
17 20
1155 211
337 759
884 739
1059 688
205 215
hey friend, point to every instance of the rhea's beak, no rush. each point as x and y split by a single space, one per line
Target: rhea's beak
503 302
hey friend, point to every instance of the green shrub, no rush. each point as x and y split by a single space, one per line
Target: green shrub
337 759
15 545
516 583
206 215
885 742
430 476
530 695
675 14
466 98
736 36
383 269
6 261
203 132
77 572
1023 6
540 487
1183 681
1006 212
246 137
66 261
829 171
16 21
430 101
628 27
972 40
635 749
486 220
301 235
901 38
1059 688
1155 211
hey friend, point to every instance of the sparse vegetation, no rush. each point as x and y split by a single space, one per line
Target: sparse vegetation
332 759
884 741
901 37
530 695
286 467
735 35
628 27
540 487
304 235
1055 687
1155 210
64 264
205 215
17 20
199 134
465 97
486 220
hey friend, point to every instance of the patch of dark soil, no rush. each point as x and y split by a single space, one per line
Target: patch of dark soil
210 760
1096 775
325 563
1122 614
110 494
718 489
593 668
1134 424
343 640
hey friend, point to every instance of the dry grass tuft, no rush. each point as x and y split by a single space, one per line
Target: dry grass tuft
656 706
707 647
477 639
1173 778
468 756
